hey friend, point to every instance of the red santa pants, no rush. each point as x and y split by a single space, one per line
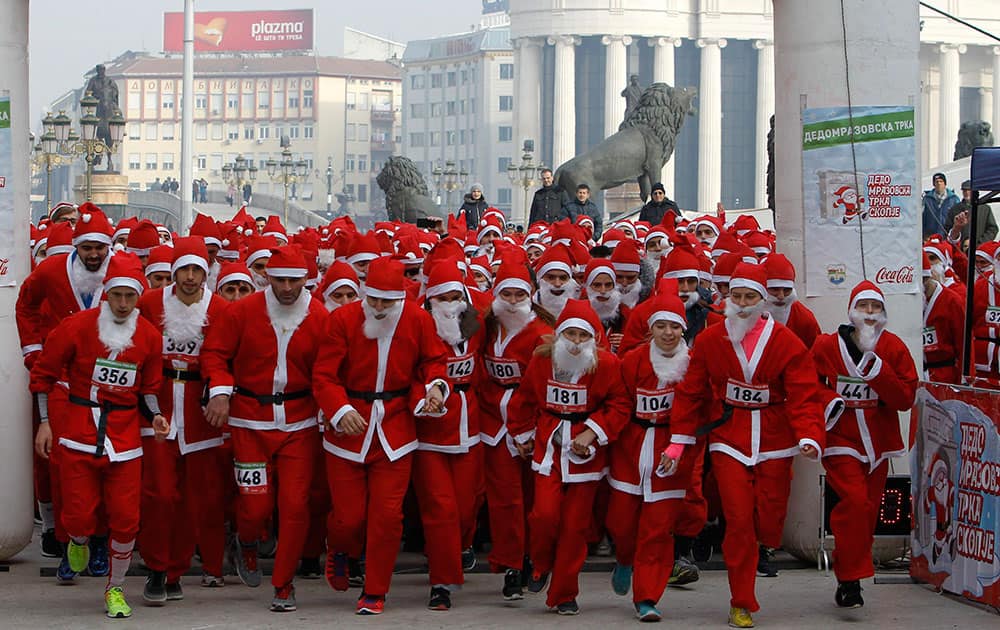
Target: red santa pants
182 505
560 521
448 487
754 502
319 509
505 500
692 510
291 456
853 518
644 539
86 481
369 511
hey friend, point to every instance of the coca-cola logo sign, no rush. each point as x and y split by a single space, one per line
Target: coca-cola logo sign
903 275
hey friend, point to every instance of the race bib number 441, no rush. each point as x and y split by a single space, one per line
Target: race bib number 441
251 478
114 374
856 393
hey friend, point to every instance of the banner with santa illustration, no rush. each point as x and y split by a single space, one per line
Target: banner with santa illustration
860 198
955 486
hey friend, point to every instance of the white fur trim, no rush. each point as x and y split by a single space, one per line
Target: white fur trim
341 282
440 289
361 257
683 273
554 265
233 277
746 283
286 272
123 281
254 256
384 295
512 283
669 316
605 269
810 442
867 294
189 259
627 267
159 266
92 237
780 284
575 322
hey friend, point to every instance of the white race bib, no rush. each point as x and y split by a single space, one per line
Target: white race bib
856 393
993 315
653 404
930 338
251 478
460 368
181 351
114 374
565 398
739 394
504 371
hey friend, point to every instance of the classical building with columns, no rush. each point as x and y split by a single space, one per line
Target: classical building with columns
572 60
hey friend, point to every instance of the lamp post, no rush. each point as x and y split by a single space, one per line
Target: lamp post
238 174
449 179
87 143
329 188
287 172
524 175
47 155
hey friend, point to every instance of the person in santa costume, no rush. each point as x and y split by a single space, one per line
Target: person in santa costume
556 285
606 299
867 372
206 228
944 325
110 358
181 482
235 281
645 496
758 379
61 285
629 271
571 404
258 361
783 303
515 327
985 325
339 286
370 387
448 464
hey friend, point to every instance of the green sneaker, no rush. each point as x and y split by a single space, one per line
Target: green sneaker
79 556
115 604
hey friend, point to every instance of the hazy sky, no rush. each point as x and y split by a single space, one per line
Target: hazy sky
84 34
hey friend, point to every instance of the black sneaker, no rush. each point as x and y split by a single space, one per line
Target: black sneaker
537 584
684 572
512 589
440 599
174 591
155 593
764 566
568 608
468 559
849 595
355 574
99 564
50 546
310 569
702 547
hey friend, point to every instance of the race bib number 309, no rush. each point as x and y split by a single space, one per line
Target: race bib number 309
251 478
114 374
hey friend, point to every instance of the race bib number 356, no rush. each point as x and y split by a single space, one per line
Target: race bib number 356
747 396
251 478
114 374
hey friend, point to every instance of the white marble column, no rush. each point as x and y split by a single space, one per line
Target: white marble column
564 100
710 124
615 80
527 107
765 108
663 72
996 92
986 104
951 93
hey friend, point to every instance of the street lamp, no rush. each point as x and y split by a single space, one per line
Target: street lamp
524 174
329 187
87 144
47 156
449 179
239 174
287 172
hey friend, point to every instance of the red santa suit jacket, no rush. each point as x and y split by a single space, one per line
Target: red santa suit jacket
771 395
249 356
868 429
944 325
183 387
100 376
553 413
986 326
378 378
802 322
505 361
635 455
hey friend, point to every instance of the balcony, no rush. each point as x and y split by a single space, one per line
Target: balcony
384 145
383 115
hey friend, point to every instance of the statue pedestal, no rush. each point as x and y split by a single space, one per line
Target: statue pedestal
621 200
109 191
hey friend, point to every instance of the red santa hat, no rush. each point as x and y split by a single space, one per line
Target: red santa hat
189 250
260 247
866 290
667 306
726 243
206 228
613 237
125 270
580 314
93 226
724 267
556 258
926 265
340 274
759 242
273 227
513 275
780 272
385 279
596 267
626 256
986 251
681 262
458 227
941 250
39 238
142 238
747 276
287 262
627 227
60 239
744 224
482 265
409 252
587 224
489 225
160 258
444 277
655 233
713 222
232 242
60 206
124 228
363 247
234 272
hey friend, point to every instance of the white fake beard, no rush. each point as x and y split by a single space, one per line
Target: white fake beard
513 317
259 280
88 282
114 334
608 309
486 250
288 317
484 285
554 304
448 320
868 334
213 274
690 299
183 323
939 269
670 368
630 293
325 259
330 305
781 313
710 242
572 360
737 326
375 328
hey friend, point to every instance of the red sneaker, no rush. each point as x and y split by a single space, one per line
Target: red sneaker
336 571
371 605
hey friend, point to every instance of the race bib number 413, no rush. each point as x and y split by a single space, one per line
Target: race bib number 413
251 478
747 396
114 374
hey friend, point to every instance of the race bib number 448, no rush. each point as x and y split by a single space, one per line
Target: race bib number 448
251 478
114 374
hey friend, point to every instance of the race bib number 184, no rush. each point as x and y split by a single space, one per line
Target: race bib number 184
747 396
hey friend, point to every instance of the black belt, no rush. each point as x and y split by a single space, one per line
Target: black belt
648 424
573 417
508 385
988 339
102 423
727 414
461 387
182 375
373 396
277 398
939 364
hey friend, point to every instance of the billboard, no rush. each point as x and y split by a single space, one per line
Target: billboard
239 31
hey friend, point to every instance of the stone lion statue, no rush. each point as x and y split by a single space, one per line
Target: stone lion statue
643 144
972 134
406 195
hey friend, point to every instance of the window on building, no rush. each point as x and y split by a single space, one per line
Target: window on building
151 161
417 139
363 132
248 132
506 103
417 81
263 132
293 131
200 162
436 80
134 131
134 161
435 138
307 131
461 106
200 131
472 166
134 104
506 71
279 130
233 131
293 101
352 131
201 101
472 106
349 189
307 99
437 110
503 196
465 77
233 102
363 101
502 164
461 136
450 138
168 161
167 130
216 131
352 100
382 101
349 162
215 161
168 101
215 102
363 163
308 159
151 104
362 192
263 99
246 109
279 102
452 108
418 110
506 133
452 80
472 139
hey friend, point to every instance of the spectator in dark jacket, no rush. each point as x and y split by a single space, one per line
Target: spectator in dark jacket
937 203
474 205
549 201
583 205
957 223
658 205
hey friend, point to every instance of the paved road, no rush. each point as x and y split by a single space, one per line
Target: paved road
797 599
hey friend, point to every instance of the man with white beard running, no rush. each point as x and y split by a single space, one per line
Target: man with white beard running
606 300
627 263
783 303
869 374
556 285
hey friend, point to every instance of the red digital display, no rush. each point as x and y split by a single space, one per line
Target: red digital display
893 513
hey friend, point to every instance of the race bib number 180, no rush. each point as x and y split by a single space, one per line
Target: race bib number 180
114 374
251 478
503 370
